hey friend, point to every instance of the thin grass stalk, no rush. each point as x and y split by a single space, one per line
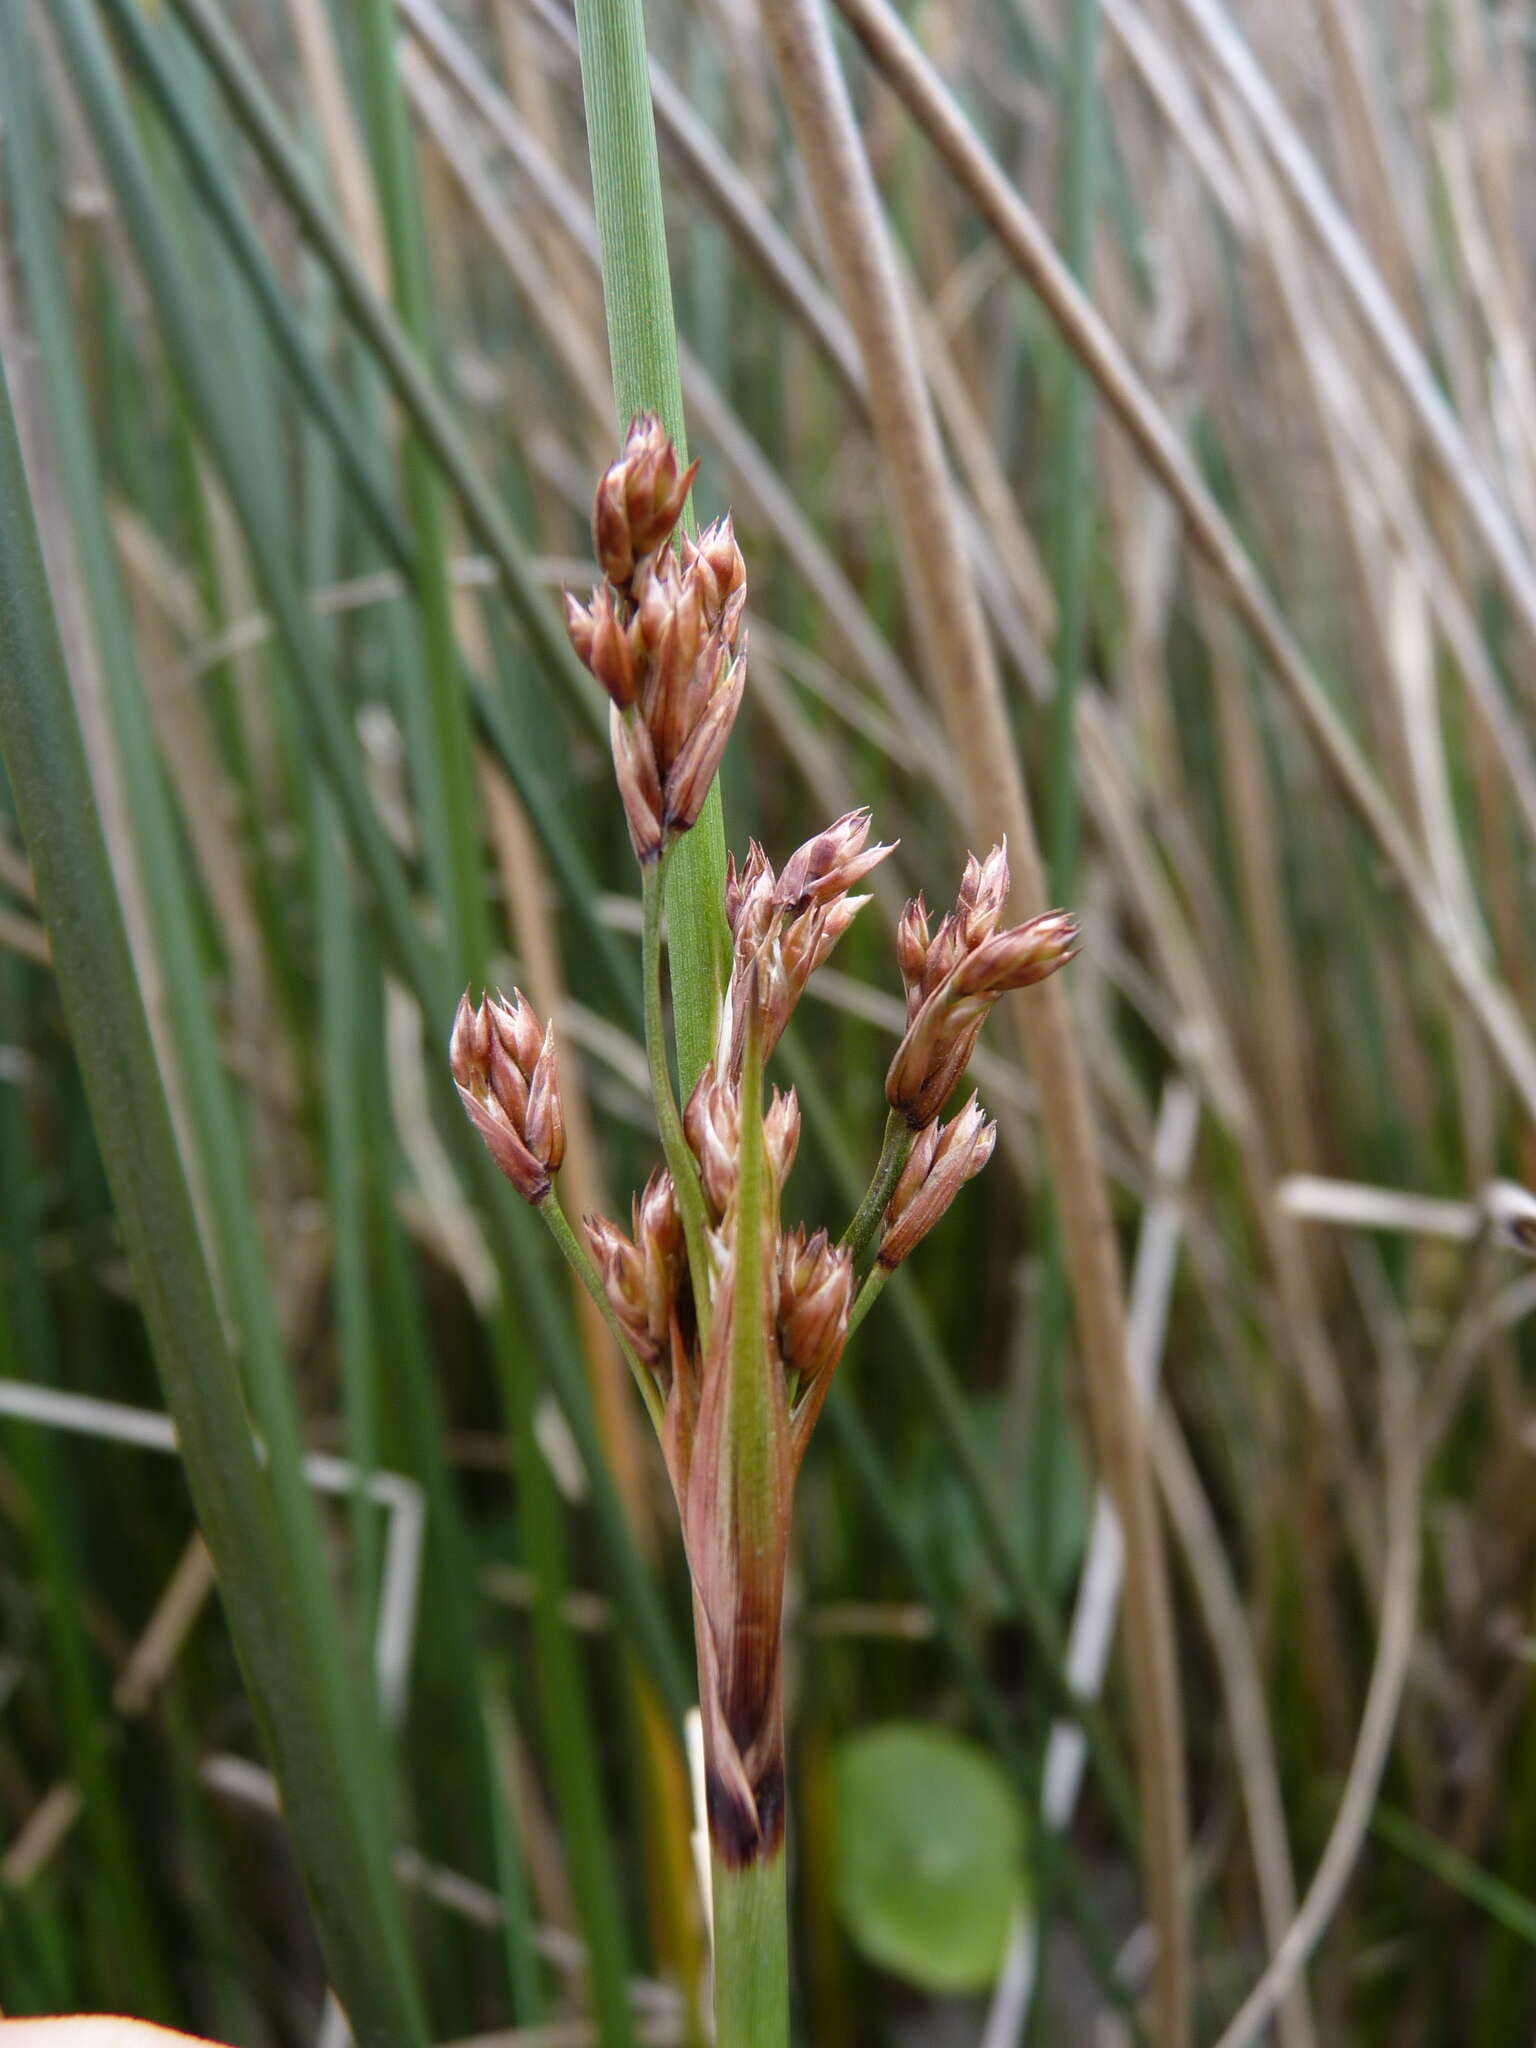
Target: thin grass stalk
1072 493
280 1616
959 658
116 1908
437 709
1072 525
642 340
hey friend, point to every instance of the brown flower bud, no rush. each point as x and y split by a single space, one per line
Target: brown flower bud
783 928
580 627
642 1277
1018 957
912 949
505 1071
711 1124
639 500
953 978
831 864
634 766
749 899
943 1159
605 645
983 892
698 760
717 562
815 1293
663 637
781 1134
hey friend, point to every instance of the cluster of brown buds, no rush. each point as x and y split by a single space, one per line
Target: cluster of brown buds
953 978
663 635
503 1064
943 1158
732 1323
784 926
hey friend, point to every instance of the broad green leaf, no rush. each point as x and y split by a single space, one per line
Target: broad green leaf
930 1855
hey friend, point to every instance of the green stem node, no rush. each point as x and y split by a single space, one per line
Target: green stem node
860 1234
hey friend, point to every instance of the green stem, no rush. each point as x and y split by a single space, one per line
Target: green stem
868 1295
436 703
754 1495
680 1163
860 1233
751 1954
642 341
580 1263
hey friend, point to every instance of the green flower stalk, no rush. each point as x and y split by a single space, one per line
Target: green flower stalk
732 1323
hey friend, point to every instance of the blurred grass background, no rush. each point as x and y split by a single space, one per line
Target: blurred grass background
301 320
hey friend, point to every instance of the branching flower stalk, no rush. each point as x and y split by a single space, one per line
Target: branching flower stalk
731 1323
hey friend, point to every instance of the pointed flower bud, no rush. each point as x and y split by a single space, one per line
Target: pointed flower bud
697 761
663 635
634 766
605 645
717 561
781 1134
953 978
504 1068
815 1294
712 1127
783 927
642 1276
942 1160
639 500
831 864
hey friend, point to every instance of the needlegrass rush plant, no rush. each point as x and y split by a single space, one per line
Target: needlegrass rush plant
1127 414
732 1323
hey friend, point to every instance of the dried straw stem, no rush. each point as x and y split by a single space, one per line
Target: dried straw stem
958 657
934 109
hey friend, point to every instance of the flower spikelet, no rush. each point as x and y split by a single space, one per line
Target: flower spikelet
663 635
504 1067
784 926
943 1158
954 976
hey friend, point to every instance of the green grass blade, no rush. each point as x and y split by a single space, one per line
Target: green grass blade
281 1623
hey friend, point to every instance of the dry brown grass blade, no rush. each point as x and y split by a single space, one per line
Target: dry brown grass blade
1400 1587
337 129
958 656
1379 318
933 107
1242 1685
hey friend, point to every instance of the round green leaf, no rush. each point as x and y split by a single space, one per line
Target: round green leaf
929 1855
